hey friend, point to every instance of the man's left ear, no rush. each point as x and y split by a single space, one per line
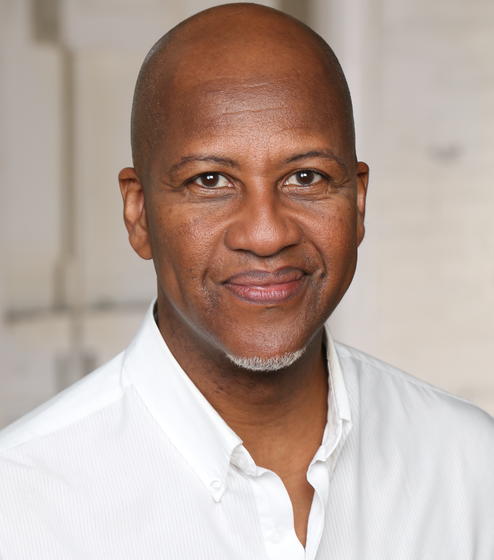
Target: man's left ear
362 182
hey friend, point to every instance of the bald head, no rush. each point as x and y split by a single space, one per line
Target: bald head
229 46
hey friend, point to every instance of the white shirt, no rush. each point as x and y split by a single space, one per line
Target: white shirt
132 462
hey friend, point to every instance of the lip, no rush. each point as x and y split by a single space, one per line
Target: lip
267 287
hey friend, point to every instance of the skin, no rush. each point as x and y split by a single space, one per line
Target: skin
246 193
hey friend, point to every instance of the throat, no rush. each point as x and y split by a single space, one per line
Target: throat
283 437
281 423
280 414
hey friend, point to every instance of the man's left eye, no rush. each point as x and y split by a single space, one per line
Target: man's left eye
304 178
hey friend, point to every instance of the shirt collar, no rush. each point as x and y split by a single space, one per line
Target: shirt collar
339 422
192 425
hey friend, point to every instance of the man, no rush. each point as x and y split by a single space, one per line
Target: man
233 427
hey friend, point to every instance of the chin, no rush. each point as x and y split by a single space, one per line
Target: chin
271 364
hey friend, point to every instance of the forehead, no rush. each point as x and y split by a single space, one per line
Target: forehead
226 95
261 108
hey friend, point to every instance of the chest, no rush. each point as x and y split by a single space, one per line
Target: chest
354 513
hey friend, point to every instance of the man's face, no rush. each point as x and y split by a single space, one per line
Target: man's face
253 213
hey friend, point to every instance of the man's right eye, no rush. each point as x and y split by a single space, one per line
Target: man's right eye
211 180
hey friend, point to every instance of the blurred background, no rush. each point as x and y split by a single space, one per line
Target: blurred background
72 292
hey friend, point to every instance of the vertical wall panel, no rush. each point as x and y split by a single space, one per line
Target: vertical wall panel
423 84
72 292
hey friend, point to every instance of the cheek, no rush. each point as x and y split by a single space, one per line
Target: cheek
335 228
182 243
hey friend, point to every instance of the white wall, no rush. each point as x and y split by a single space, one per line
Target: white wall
72 292
423 83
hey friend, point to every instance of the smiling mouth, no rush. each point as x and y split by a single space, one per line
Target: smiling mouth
263 287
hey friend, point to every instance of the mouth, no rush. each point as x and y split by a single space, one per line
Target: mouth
264 287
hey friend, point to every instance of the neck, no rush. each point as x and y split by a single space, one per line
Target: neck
287 406
279 415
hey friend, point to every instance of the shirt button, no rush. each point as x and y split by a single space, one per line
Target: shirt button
216 484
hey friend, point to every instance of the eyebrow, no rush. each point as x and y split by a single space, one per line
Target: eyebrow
198 157
326 154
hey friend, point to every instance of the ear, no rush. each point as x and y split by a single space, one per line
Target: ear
362 182
135 212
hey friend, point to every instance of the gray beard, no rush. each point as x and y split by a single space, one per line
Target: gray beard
266 364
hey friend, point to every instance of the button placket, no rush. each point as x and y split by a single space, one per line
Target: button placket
276 516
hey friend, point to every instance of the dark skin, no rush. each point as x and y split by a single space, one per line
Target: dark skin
249 172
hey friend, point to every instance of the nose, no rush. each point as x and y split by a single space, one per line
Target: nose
262 224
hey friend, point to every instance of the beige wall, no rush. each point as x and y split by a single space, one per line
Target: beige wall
72 292
424 90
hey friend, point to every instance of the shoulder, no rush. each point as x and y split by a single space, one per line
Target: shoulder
431 414
92 393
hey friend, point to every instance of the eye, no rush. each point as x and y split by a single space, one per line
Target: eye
304 178
211 180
